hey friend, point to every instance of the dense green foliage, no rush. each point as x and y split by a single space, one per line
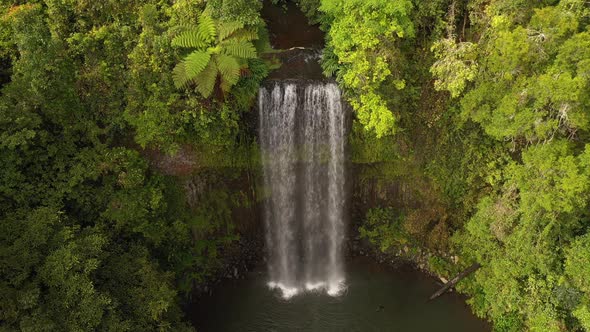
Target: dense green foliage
470 136
496 164
363 38
92 237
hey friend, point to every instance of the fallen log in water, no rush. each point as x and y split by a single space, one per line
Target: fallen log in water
455 280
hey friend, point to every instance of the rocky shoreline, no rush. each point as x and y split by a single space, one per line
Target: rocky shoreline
247 254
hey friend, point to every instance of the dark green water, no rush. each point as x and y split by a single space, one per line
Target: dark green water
378 298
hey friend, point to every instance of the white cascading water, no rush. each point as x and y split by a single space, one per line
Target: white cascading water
302 137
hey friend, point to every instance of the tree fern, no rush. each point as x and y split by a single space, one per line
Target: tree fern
219 49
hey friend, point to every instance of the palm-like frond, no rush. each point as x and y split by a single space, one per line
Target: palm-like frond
245 35
240 49
220 49
195 62
189 39
226 29
330 63
330 67
229 68
206 79
206 28
179 75
225 86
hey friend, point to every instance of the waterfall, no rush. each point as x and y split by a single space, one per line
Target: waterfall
302 138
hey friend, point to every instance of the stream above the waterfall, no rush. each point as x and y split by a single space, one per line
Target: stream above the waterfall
377 298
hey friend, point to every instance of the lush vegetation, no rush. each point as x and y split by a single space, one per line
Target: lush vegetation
92 237
490 102
471 136
219 50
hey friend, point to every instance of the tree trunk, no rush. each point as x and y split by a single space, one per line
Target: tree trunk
455 280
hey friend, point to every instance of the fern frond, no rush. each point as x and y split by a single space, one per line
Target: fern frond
225 86
206 28
206 79
219 50
330 64
229 68
330 67
179 76
189 39
244 35
243 63
195 62
226 29
241 49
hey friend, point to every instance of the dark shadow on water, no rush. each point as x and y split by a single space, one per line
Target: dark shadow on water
298 44
288 27
378 298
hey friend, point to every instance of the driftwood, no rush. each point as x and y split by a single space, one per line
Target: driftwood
455 280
